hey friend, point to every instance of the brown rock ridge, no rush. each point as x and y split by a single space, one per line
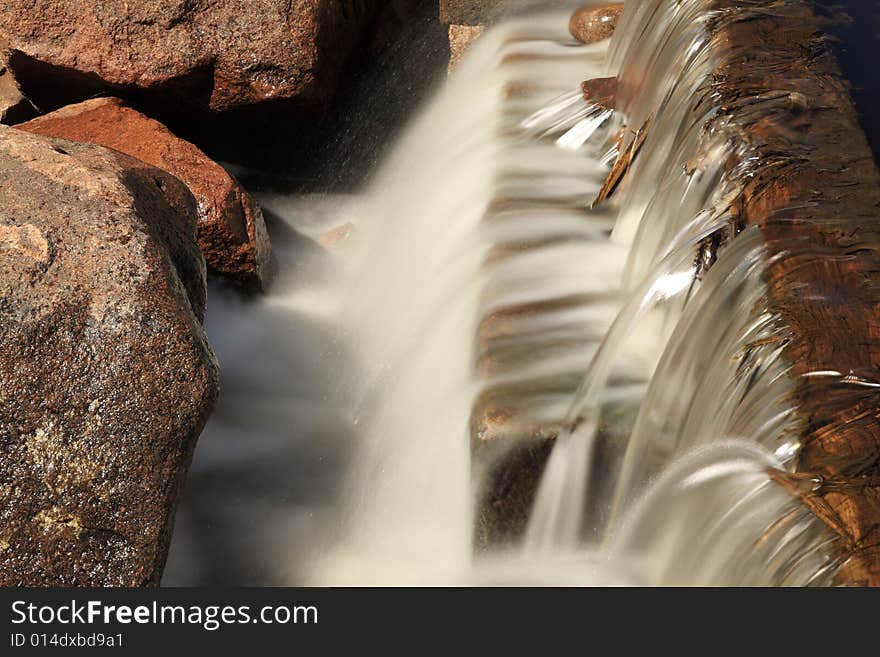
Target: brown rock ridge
217 55
106 377
232 232
814 191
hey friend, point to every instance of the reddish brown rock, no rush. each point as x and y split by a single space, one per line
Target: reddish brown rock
14 106
601 92
594 23
232 232
106 378
220 55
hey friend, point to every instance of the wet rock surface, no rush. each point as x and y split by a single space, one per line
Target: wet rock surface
232 232
217 55
601 92
594 23
813 189
106 378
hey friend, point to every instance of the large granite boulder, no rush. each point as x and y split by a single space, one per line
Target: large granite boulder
106 377
232 232
217 55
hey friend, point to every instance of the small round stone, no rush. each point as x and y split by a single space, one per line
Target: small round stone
595 22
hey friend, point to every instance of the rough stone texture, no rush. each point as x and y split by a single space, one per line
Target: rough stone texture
481 12
14 107
594 23
106 378
232 232
469 12
216 54
461 38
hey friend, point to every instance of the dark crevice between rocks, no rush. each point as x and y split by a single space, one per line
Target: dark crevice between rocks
52 87
307 148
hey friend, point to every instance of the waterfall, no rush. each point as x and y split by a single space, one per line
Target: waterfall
489 304
713 376
441 253
637 332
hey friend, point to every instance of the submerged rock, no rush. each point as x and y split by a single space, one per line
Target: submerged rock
334 237
595 22
218 55
461 38
601 92
106 377
232 232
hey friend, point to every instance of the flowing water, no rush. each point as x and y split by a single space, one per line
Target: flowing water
482 300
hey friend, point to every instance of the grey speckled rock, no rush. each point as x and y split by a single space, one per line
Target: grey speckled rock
106 378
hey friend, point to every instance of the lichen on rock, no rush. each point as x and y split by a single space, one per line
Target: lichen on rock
106 376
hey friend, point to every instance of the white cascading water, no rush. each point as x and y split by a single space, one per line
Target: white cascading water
677 362
421 278
668 365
